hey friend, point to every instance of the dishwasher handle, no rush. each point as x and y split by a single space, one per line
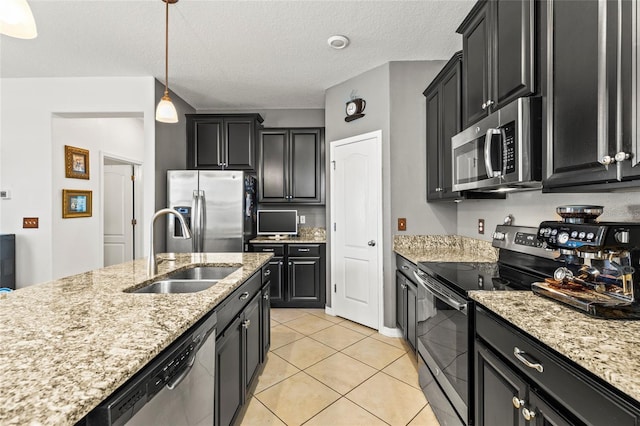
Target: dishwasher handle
198 342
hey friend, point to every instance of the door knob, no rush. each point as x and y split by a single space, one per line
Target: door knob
372 243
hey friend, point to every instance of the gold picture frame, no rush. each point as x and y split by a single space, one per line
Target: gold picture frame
76 203
76 162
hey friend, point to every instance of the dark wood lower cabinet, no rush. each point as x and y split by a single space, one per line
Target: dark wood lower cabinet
297 274
412 296
406 300
252 337
265 325
229 372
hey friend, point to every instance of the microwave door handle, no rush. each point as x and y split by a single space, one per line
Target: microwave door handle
487 153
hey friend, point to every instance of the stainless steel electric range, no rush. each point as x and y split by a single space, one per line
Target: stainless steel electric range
445 315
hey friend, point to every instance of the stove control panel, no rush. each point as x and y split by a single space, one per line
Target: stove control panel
572 236
527 239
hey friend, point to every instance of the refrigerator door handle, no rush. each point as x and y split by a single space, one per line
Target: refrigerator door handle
202 220
195 218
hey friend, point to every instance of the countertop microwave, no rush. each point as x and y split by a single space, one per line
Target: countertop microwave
501 152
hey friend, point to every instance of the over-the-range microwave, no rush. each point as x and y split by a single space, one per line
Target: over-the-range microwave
502 151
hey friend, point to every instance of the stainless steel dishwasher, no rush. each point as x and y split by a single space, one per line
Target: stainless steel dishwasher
175 389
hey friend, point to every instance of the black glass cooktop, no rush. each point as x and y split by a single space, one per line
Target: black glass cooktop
517 274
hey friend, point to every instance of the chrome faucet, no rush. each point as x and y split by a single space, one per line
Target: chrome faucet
152 265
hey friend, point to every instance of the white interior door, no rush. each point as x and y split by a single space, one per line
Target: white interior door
118 214
356 221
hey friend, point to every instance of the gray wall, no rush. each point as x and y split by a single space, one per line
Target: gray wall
396 106
532 207
171 153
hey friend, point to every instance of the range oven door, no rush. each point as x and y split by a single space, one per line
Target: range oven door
443 341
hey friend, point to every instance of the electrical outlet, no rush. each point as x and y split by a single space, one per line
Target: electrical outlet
480 226
303 220
29 222
402 224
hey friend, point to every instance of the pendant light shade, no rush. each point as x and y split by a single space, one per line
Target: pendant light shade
166 111
16 19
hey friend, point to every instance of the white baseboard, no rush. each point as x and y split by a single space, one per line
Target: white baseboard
390 332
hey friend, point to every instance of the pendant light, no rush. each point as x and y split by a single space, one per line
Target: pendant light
16 19
166 111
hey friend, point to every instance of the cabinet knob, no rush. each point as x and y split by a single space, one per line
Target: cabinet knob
528 414
489 103
267 272
439 189
246 323
621 156
290 263
484 105
244 296
266 296
517 402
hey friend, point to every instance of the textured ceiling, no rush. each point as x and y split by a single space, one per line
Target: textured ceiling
233 54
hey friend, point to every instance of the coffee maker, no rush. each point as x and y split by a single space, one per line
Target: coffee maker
600 272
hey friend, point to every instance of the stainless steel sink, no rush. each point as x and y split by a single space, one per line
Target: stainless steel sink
177 286
204 273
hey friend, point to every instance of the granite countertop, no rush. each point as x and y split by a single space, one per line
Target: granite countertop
68 344
610 349
444 248
305 236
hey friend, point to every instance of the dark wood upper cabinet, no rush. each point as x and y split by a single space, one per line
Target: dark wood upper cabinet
498 42
591 134
291 166
220 141
444 120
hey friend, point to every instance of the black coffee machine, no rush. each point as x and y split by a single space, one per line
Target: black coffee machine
601 272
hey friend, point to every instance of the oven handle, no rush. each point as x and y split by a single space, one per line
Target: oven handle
462 307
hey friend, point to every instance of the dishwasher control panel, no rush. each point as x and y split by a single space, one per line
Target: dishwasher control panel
171 369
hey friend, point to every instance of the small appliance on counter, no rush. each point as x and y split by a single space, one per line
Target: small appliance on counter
598 276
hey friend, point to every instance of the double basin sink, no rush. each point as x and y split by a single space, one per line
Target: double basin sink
189 280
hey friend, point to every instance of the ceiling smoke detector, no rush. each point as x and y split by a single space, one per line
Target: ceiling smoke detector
338 42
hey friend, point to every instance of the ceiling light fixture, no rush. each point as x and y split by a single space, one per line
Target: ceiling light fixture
16 19
338 42
166 111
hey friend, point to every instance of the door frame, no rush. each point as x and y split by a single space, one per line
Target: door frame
137 201
377 136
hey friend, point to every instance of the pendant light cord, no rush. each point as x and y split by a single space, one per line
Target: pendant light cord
166 49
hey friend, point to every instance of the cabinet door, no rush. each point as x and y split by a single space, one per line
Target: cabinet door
513 73
500 393
401 303
306 172
475 44
230 389
451 118
265 323
434 164
572 87
239 146
205 143
276 279
304 279
251 319
273 166
544 413
412 296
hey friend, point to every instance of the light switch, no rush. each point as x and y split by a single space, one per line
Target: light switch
402 224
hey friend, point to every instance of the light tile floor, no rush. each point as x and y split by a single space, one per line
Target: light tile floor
323 370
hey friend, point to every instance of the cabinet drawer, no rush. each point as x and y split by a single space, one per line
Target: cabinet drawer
406 267
237 300
579 392
304 250
276 249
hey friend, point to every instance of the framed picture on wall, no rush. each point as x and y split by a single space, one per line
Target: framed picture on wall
76 203
76 162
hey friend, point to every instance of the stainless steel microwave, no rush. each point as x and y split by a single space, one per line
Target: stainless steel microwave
502 151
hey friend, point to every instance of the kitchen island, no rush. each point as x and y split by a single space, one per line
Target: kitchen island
69 343
609 349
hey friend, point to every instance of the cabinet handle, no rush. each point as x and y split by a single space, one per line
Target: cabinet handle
517 402
405 267
304 250
244 296
519 354
268 249
528 414
267 272
246 323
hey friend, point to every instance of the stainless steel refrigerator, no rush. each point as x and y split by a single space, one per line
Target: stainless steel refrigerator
219 206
